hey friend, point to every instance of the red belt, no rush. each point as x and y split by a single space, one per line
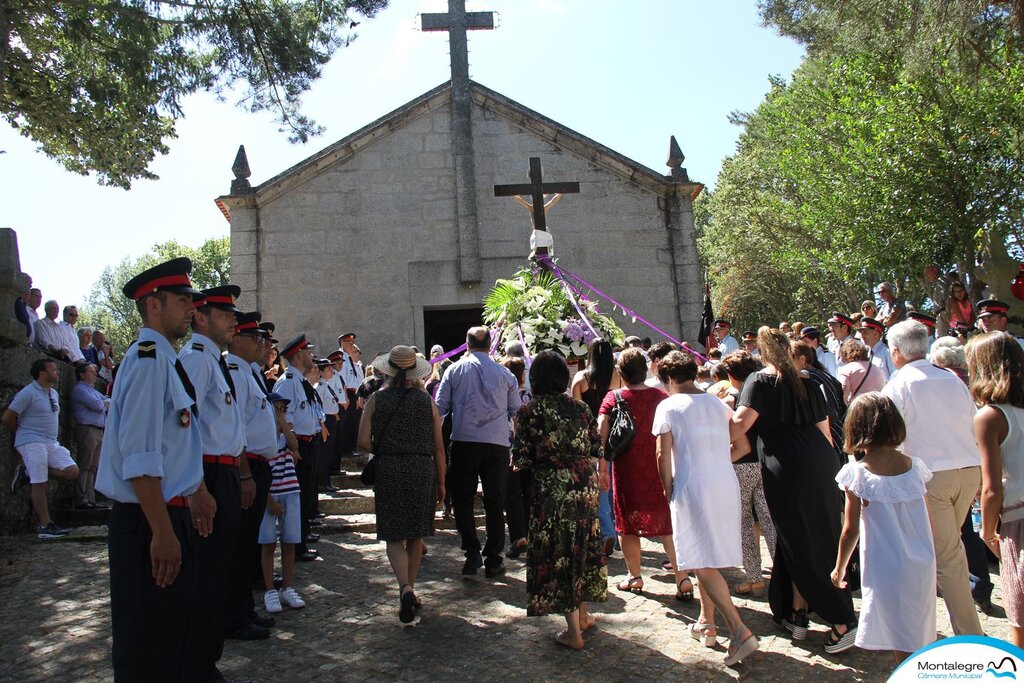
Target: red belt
304 438
220 460
178 502
254 456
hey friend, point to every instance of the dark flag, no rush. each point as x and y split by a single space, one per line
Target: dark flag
707 322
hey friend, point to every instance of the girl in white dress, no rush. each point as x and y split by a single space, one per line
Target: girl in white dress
886 509
695 462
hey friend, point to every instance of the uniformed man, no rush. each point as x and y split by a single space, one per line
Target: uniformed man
227 475
351 377
151 467
749 340
302 415
260 427
929 322
333 404
336 383
810 336
725 341
871 334
840 327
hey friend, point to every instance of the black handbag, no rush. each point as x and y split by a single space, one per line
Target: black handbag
369 474
623 429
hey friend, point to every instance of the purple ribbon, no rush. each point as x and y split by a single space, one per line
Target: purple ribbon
526 349
560 273
445 356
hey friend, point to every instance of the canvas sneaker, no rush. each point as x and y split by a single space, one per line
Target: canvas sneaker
20 479
290 598
51 530
272 601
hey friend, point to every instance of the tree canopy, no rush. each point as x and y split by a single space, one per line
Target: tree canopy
108 309
98 84
865 168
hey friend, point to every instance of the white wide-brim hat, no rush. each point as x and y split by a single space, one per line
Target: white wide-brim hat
402 358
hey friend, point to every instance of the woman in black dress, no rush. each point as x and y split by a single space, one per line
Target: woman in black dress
787 415
402 428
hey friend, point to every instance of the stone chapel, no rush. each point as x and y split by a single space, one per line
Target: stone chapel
394 232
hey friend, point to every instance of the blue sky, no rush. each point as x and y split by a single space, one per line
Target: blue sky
628 75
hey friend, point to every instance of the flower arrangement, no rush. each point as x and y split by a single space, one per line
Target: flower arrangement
533 306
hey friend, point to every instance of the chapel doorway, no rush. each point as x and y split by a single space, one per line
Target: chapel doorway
447 326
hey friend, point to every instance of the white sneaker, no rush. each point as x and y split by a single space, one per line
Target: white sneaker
291 598
272 601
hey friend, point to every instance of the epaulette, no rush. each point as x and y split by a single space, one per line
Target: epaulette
147 349
197 346
232 366
288 375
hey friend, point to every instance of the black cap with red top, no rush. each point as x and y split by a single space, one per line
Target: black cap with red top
169 276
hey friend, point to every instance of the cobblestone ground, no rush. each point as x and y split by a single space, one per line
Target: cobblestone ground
55 625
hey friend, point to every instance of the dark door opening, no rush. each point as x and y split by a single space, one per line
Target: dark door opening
447 326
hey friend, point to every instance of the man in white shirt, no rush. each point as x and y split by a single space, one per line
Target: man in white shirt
810 336
47 330
726 342
69 337
939 413
840 327
871 334
35 298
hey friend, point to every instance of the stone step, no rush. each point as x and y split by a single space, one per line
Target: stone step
347 480
367 524
347 502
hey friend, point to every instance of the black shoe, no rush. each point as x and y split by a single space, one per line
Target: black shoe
319 515
265 622
494 570
316 521
329 489
308 556
249 632
473 562
311 538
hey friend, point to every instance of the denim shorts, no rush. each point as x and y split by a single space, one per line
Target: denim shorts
287 525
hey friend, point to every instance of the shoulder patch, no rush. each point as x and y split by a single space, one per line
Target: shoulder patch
197 346
288 375
147 349
232 366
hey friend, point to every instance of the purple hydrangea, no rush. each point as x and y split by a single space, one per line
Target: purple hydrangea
574 332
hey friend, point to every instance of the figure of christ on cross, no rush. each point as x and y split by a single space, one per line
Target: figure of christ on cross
536 190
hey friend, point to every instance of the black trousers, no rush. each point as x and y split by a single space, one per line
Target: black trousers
326 462
305 472
206 629
149 624
349 425
240 606
487 463
517 502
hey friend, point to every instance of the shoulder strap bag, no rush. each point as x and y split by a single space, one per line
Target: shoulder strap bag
623 428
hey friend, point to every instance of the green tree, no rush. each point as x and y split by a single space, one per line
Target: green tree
859 171
99 83
107 308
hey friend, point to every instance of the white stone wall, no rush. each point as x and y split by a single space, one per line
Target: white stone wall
369 241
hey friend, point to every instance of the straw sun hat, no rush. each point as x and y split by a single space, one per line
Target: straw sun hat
402 358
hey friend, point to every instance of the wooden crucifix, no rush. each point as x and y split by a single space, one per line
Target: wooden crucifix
536 189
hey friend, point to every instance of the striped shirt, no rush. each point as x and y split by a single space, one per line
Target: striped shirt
282 469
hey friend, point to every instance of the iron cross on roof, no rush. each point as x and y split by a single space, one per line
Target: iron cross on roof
536 189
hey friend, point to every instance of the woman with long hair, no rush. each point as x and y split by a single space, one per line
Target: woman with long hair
591 385
995 364
798 468
959 307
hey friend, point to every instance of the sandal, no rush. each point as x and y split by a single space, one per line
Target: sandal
632 584
709 632
797 624
687 595
738 651
407 611
755 588
840 642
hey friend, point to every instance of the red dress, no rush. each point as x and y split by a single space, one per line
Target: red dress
637 496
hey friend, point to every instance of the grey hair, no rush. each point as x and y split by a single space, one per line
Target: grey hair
910 337
949 352
514 348
84 330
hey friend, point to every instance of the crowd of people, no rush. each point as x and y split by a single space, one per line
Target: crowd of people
856 455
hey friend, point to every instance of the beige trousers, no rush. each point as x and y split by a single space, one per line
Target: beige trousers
89 441
950 494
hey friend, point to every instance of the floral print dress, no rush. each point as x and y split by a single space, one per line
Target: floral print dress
557 437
